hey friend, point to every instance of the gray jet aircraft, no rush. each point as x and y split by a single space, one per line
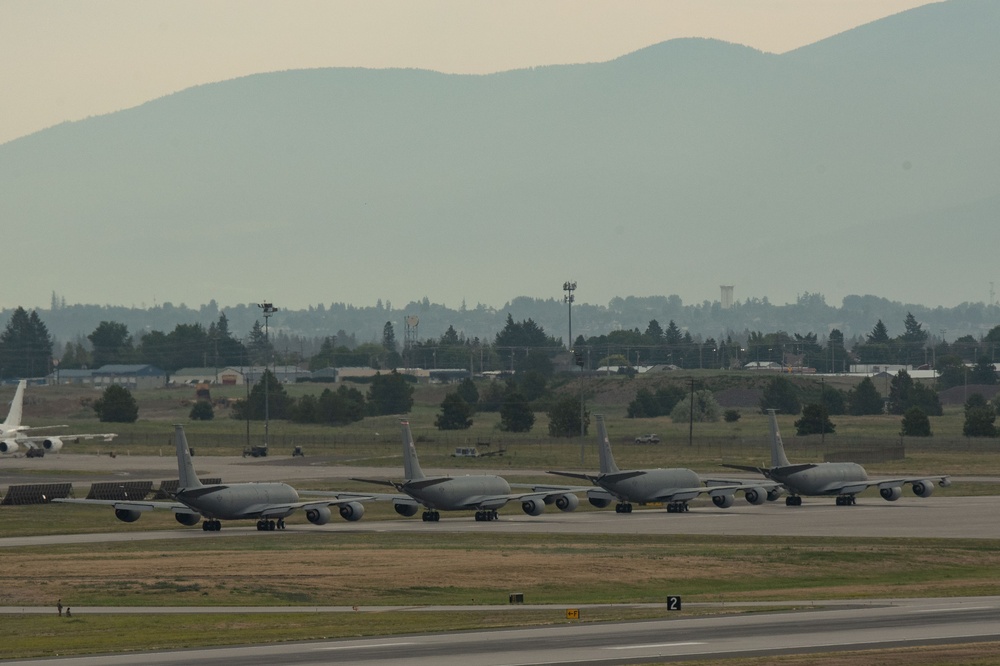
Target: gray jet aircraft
843 479
269 503
485 493
674 486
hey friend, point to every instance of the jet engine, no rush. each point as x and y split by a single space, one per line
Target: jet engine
52 444
723 501
127 515
319 515
352 511
9 446
923 488
406 509
189 519
891 494
567 502
755 495
773 494
533 507
600 501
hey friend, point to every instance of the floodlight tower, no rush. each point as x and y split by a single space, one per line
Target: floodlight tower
569 288
267 309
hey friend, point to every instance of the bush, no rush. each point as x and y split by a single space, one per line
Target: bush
915 423
202 411
815 420
116 405
731 415
705 408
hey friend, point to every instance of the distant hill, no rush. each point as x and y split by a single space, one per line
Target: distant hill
865 163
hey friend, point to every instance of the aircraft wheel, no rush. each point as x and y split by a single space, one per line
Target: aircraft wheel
204 526
479 516
628 508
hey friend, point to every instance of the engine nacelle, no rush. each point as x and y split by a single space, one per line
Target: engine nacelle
52 444
755 495
127 515
189 519
923 488
567 502
318 515
406 509
533 507
891 494
9 446
600 500
352 511
773 494
723 501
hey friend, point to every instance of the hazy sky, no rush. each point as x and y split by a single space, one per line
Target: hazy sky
62 60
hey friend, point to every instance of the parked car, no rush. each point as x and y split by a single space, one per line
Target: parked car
647 439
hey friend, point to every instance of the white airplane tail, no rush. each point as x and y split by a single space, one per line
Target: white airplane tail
778 458
411 466
186 476
13 419
608 465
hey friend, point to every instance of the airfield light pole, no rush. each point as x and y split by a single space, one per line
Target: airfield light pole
267 309
569 288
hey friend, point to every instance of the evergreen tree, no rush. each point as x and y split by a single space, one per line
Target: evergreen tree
389 337
468 392
279 404
25 346
979 417
202 411
915 423
116 405
564 418
815 420
390 394
781 395
983 372
515 413
456 414
864 399
340 407
644 405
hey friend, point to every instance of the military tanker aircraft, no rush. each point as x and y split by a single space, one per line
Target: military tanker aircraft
842 479
485 493
673 486
268 503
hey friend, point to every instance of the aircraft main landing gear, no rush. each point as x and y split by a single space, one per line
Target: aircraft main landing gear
488 514
677 507
211 525
431 516
270 525
793 500
846 500
623 507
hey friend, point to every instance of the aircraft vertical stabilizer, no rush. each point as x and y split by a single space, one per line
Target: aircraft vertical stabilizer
185 467
411 466
778 458
608 465
13 419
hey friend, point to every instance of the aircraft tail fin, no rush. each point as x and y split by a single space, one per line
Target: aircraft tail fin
13 419
778 458
185 467
411 465
608 465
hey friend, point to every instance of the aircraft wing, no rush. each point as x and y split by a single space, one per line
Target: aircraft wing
856 487
552 490
344 497
44 441
129 505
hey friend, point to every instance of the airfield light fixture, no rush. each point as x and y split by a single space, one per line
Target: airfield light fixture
267 309
569 288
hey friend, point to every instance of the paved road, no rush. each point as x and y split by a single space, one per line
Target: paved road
894 624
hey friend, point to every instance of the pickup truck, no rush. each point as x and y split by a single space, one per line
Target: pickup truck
647 439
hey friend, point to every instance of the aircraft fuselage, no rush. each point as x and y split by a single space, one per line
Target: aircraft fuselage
822 479
650 486
461 492
238 501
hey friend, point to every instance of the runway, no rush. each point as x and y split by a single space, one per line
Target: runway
866 625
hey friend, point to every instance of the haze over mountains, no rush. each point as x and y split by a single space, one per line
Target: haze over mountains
867 163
